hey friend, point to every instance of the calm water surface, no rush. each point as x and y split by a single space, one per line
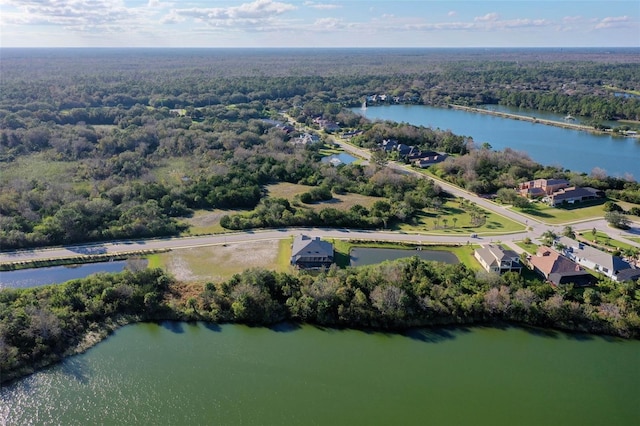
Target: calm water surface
35 277
188 374
548 145
360 256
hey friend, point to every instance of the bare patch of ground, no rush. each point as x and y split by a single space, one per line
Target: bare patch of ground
215 263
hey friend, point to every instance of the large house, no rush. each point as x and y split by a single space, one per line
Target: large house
494 258
311 253
572 195
558 269
592 258
541 187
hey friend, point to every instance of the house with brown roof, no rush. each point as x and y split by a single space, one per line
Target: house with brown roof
541 187
558 269
494 258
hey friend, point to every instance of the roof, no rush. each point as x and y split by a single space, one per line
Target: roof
579 278
304 246
494 255
606 260
629 274
568 193
551 262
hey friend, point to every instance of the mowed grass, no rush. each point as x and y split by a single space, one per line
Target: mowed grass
458 222
529 248
205 222
559 215
604 240
341 202
221 262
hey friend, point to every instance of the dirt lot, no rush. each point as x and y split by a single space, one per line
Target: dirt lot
217 263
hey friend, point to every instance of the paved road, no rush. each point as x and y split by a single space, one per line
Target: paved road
535 229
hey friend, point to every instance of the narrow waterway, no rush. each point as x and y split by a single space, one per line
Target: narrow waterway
549 145
187 374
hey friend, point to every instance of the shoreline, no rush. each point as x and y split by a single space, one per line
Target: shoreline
106 329
571 126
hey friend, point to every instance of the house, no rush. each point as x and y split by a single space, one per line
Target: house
541 187
311 253
629 274
592 258
572 195
558 269
428 158
494 258
307 139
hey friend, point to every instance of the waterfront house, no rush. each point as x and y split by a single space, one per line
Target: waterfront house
311 253
541 187
558 269
592 258
572 195
494 258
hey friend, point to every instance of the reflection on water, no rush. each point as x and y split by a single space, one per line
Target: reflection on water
169 374
370 256
35 277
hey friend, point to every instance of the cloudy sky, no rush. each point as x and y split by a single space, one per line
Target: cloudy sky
323 23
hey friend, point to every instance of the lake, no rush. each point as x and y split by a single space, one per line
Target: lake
360 256
549 145
188 374
35 277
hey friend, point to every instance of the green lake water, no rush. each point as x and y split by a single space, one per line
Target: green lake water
190 374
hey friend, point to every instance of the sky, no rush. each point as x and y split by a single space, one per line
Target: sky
324 23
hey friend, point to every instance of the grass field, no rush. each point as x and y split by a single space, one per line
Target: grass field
221 262
458 222
38 166
339 201
560 215
604 240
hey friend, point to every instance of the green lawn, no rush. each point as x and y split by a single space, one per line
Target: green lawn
529 248
604 240
560 215
454 219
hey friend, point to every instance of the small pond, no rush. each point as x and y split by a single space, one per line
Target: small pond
36 277
369 256
338 159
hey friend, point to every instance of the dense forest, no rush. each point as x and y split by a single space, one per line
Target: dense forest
40 325
105 144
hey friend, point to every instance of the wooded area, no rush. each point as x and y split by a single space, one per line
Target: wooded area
103 144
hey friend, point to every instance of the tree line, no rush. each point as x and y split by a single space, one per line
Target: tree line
40 325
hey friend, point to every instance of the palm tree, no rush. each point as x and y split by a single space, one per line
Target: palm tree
455 220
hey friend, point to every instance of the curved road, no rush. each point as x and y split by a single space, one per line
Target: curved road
535 229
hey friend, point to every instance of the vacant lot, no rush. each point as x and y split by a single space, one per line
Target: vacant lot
339 201
216 263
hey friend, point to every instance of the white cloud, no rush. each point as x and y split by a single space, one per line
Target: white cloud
493 16
322 6
259 12
333 24
612 22
452 13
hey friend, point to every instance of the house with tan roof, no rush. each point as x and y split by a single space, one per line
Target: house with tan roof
494 258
